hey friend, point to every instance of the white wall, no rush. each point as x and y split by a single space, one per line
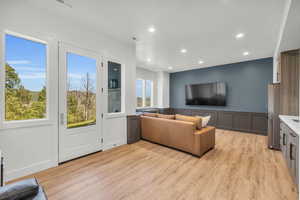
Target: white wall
34 148
163 90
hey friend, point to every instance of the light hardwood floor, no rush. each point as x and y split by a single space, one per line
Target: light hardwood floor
240 167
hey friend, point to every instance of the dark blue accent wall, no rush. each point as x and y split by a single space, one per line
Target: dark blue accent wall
246 82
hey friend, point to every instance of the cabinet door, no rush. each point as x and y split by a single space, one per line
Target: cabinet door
137 129
133 129
283 140
289 89
293 155
289 142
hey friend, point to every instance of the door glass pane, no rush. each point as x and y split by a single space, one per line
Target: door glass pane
148 95
139 93
25 79
114 87
81 91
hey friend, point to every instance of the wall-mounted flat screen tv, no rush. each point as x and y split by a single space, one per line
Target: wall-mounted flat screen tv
212 94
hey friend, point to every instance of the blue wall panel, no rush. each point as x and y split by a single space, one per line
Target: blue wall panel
246 85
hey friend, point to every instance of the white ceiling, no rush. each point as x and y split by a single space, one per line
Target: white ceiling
206 28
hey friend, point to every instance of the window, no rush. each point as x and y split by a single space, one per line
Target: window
81 91
148 93
139 93
114 87
144 92
25 79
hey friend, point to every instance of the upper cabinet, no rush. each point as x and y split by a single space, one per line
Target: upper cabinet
114 87
288 68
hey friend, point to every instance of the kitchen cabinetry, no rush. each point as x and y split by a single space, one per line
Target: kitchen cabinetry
289 142
133 128
289 82
273 116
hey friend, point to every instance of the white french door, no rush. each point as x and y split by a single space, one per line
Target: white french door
80 97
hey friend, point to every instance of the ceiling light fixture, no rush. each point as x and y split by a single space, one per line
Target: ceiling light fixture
170 68
239 35
183 50
200 62
148 60
246 53
151 29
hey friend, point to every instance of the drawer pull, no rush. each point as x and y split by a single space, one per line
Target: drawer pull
291 152
284 139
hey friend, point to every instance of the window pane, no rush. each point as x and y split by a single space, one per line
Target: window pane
139 93
114 87
81 91
25 79
148 95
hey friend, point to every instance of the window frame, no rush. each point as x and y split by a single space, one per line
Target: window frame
30 122
122 113
144 94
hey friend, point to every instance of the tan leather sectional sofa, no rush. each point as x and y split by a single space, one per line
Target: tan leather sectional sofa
179 134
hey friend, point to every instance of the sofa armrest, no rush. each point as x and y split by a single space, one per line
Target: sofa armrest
19 190
41 195
204 140
205 130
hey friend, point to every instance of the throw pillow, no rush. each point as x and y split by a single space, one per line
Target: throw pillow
205 120
19 190
196 120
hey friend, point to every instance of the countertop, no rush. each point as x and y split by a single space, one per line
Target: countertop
288 120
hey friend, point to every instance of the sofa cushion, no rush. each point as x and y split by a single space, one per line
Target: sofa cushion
150 114
166 116
19 190
196 120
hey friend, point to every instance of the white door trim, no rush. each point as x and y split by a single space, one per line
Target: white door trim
90 139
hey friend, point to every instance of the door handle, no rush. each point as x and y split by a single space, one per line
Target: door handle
62 118
291 152
284 138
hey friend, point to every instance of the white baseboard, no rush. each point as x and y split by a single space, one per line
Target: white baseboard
112 145
36 167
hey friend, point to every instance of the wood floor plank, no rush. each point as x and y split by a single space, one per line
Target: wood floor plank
241 167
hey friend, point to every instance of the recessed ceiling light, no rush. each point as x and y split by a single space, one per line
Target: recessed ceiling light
183 50
200 62
151 29
170 68
148 60
246 53
239 35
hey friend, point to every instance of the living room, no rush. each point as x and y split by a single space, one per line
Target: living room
149 99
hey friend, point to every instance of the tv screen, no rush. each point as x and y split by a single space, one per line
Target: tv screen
212 94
